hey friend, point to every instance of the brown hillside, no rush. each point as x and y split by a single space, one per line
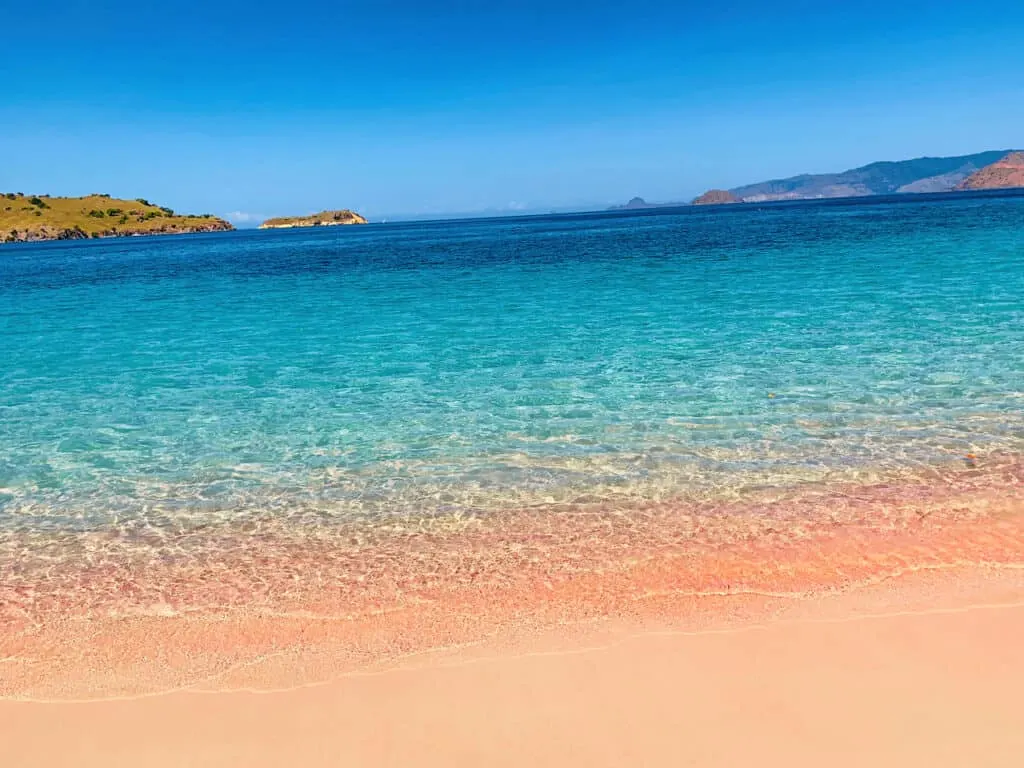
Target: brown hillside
716 197
1002 174
41 217
322 219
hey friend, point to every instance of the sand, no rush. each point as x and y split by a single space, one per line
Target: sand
923 670
866 625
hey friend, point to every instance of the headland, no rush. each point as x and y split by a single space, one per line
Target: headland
29 218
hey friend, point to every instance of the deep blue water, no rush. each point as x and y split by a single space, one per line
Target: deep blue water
474 365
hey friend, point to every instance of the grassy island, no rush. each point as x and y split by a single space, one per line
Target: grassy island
26 218
322 219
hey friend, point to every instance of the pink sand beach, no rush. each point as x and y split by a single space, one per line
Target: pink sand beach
883 631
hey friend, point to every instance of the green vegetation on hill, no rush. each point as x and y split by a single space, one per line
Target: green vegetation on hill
322 219
41 217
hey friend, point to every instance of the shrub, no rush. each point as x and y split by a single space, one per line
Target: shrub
11 196
96 214
114 212
37 201
123 220
142 200
167 211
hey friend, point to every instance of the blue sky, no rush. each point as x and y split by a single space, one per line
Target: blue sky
420 109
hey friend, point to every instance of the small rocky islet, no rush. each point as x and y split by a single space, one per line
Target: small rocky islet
323 219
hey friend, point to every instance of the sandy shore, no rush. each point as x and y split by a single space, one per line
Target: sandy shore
849 626
922 670
97 615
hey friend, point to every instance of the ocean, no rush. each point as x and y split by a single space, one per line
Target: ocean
215 423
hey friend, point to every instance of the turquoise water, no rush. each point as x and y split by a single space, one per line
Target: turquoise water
467 367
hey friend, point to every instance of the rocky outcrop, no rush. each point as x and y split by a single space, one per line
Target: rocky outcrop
322 219
40 234
716 197
1005 173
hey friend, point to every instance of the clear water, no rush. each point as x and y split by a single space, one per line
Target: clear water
466 367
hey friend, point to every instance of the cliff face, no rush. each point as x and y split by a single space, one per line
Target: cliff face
1006 173
28 218
716 197
322 219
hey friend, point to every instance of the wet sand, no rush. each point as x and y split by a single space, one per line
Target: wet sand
862 625
97 616
923 670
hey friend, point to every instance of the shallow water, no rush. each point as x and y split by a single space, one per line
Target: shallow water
456 368
215 447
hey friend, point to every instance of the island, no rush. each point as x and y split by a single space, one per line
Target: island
30 218
322 219
634 204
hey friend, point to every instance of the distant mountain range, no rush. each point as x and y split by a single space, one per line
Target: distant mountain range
985 170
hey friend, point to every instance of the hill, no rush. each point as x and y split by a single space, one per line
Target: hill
41 217
634 204
923 174
716 197
1006 173
322 219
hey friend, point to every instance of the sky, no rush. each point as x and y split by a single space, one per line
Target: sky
398 108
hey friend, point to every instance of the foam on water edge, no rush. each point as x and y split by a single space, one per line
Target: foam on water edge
129 616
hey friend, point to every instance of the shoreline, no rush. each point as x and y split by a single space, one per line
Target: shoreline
919 670
118 621
69 234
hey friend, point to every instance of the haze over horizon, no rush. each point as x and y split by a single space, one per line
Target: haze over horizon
398 109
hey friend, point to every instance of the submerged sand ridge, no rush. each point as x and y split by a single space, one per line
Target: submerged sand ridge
99 615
